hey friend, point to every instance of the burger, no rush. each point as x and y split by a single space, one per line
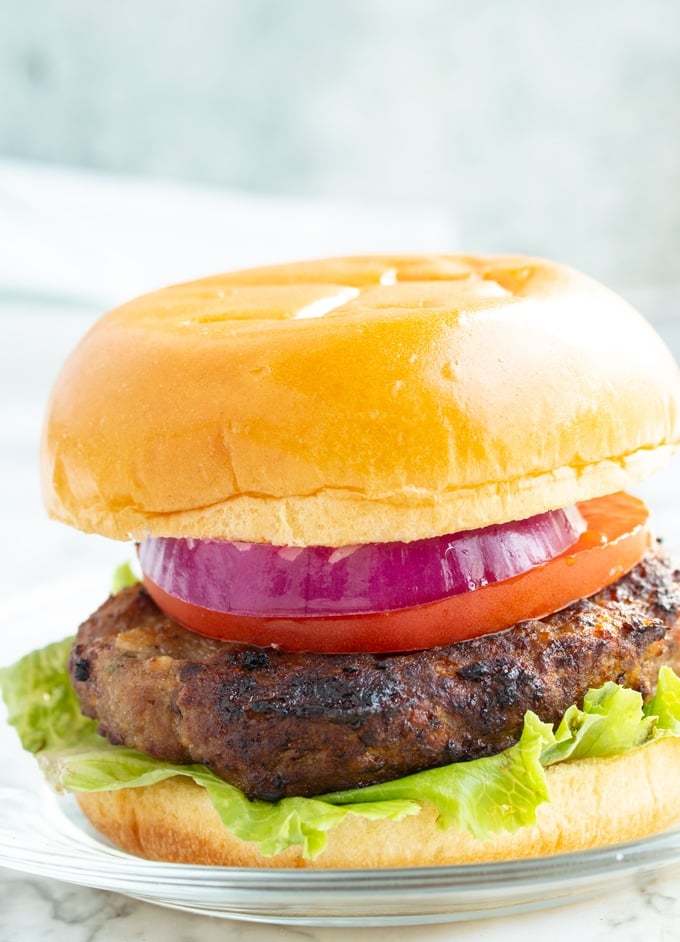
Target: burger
395 604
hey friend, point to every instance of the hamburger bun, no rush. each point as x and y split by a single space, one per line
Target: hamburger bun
435 394
593 802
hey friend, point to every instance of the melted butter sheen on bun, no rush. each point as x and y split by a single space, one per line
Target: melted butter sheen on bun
357 400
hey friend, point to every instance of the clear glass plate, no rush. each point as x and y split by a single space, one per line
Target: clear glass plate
46 835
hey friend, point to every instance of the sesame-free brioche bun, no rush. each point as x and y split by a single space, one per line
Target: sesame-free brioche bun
593 802
357 400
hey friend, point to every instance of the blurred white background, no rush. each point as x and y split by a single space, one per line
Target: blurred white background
143 142
539 127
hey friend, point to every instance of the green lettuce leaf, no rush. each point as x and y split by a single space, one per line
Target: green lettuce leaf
665 704
40 701
483 797
123 577
613 720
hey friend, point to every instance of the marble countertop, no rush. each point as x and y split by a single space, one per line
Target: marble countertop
74 250
33 908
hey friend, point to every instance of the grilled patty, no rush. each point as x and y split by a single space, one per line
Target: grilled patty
277 724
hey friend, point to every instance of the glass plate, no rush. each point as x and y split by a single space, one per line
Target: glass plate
46 835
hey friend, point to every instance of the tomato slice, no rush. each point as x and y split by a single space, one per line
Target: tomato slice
615 540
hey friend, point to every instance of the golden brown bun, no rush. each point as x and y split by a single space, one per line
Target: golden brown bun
435 394
594 802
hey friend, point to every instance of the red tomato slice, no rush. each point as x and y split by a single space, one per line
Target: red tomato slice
615 540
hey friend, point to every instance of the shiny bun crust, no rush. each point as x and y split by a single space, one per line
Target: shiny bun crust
356 400
594 802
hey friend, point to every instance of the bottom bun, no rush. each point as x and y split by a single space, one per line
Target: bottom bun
594 802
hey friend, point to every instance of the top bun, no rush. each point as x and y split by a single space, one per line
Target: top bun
357 400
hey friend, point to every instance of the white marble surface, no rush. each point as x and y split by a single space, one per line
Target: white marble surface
32 909
45 564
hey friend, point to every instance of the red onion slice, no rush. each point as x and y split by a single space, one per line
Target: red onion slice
259 579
